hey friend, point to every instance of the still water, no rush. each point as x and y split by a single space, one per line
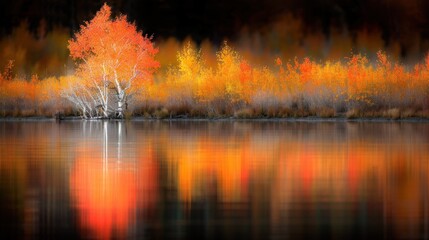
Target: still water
213 180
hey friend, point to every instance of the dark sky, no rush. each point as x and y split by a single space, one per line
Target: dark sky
217 19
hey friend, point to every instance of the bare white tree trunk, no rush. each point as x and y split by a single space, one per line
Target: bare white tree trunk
121 104
92 98
82 99
122 87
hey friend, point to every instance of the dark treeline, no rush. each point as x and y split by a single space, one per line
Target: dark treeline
216 19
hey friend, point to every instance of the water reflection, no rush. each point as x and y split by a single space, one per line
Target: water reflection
104 188
211 180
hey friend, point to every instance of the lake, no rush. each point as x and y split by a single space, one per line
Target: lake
214 180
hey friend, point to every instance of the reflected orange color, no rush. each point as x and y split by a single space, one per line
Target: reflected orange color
307 172
406 197
232 174
104 194
148 179
293 171
194 171
198 168
406 208
353 175
356 170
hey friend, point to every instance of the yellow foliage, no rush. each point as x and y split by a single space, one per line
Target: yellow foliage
232 83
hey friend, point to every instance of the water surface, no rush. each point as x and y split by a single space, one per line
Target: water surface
213 180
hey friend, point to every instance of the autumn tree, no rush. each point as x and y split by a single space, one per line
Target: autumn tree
113 57
8 71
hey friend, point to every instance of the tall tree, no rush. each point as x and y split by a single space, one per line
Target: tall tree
112 57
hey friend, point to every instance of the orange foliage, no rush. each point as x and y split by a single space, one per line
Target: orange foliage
245 71
305 69
114 56
110 47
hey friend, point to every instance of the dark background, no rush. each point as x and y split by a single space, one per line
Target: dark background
217 19
402 26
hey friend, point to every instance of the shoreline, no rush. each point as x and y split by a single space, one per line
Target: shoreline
223 119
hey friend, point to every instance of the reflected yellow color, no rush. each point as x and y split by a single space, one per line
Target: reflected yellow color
201 163
292 178
303 170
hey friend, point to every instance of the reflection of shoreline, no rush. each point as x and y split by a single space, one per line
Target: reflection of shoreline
304 169
295 176
232 119
313 119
